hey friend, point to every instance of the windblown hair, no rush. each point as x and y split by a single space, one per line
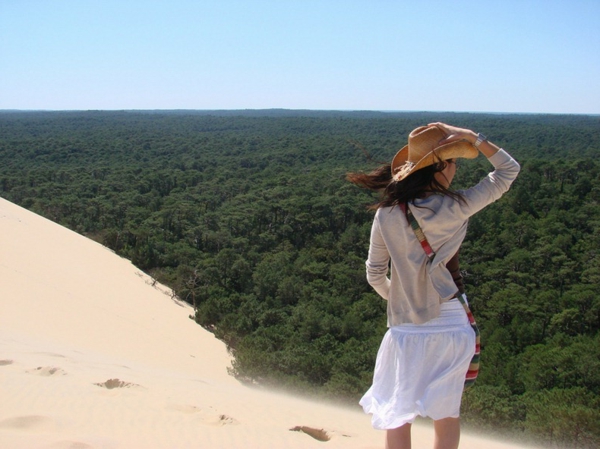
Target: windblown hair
416 185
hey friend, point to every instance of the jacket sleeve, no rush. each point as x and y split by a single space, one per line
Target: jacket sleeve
378 262
494 185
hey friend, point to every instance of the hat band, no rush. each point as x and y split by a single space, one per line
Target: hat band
404 170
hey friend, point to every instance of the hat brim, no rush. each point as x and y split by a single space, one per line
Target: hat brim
453 150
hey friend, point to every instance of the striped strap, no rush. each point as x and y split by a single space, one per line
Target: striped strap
474 366
418 231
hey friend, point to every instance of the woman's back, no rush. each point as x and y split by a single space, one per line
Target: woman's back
431 346
417 286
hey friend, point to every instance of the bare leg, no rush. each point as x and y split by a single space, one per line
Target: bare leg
447 433
398 438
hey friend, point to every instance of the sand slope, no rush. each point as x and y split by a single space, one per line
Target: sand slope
94 354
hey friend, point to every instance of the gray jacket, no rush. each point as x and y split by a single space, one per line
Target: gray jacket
417 287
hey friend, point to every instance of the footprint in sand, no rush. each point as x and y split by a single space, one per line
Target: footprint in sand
116 383
217 419
318 434
6 362
206 415
27 422
48 371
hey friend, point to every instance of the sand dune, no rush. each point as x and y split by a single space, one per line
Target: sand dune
94 354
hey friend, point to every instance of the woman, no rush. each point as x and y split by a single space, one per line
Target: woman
426 352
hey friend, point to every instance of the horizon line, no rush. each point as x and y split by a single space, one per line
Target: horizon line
381 111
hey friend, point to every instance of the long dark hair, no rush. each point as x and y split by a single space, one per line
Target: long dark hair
416 185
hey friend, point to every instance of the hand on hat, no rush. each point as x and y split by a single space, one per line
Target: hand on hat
454 133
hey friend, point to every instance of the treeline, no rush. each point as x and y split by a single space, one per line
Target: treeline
247 216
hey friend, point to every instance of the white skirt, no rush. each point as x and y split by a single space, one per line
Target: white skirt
420 369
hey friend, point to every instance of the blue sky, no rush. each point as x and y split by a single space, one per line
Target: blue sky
490 56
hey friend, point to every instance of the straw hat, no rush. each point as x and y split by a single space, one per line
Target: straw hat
423 150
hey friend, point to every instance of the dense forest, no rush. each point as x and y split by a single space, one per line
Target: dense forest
248 217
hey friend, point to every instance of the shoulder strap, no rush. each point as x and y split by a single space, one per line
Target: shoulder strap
473 371
418 231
